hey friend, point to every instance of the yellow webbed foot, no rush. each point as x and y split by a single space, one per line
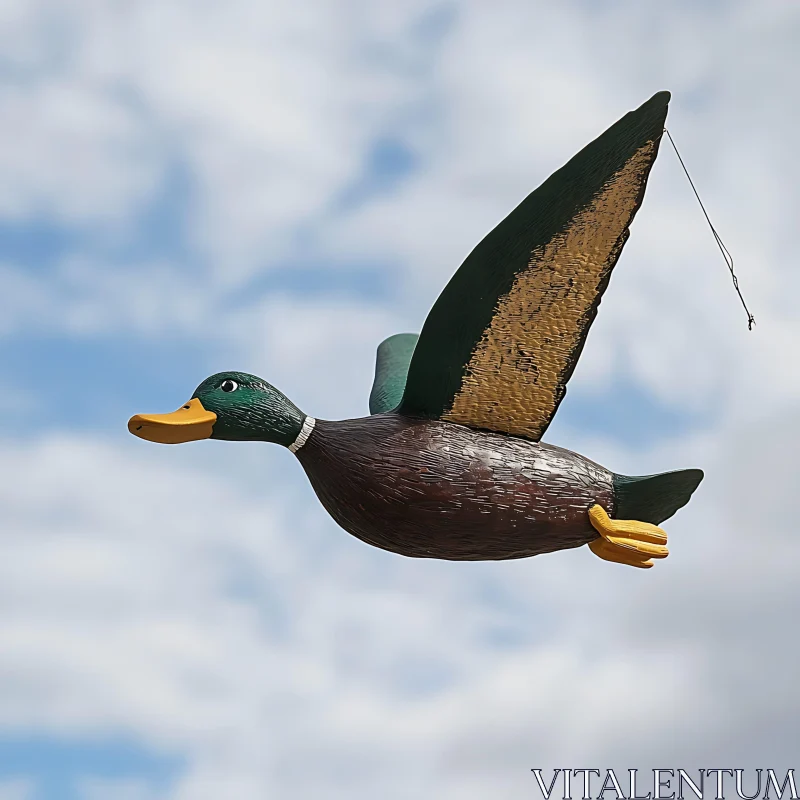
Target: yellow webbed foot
626 541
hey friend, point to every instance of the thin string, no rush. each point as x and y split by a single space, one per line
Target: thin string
751 320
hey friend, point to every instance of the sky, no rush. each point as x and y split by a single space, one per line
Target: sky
189 187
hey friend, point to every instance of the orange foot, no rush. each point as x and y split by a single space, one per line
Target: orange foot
626 541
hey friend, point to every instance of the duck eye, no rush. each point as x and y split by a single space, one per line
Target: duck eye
228 385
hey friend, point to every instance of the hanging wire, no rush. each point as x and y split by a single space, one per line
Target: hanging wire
751 320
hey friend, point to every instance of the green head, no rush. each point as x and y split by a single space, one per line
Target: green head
229 405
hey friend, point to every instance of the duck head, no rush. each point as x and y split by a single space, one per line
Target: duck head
229 405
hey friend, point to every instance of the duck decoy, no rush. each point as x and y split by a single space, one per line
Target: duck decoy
450 462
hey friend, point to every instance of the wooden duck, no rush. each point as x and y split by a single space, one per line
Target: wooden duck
450 464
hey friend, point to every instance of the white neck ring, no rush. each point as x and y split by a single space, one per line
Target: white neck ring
305 432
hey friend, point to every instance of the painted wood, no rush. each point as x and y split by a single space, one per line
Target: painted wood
433 489
450 464
391 368
502 340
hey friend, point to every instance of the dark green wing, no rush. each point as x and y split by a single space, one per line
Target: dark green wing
502 340
391 368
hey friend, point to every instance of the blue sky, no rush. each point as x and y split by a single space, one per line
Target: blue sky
61 766
186 190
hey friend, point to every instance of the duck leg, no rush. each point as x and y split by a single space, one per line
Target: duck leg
626 541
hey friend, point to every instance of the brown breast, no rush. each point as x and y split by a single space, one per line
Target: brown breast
434 489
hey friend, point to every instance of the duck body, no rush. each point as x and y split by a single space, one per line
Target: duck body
432 489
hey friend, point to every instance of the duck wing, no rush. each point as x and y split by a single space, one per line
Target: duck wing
502 340
391 369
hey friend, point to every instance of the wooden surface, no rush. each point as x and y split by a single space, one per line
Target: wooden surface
502 340
436 490
391 368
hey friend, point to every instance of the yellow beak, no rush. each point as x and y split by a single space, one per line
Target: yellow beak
189 423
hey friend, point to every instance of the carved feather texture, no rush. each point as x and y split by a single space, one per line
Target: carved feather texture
436 490
517 374
503 338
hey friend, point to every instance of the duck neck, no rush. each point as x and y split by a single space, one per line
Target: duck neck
280 421
268 417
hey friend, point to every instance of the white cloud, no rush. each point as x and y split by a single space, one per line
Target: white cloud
16 790
73 152
270 110
119 789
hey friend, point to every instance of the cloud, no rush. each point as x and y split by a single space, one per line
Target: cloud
16 790
268 110
98 789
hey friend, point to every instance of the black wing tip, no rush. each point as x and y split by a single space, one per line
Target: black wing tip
695 474
627 134
652 113
654 106
661 98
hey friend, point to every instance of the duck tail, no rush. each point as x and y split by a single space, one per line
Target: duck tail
654 498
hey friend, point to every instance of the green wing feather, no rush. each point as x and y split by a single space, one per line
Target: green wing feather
502 340
391 369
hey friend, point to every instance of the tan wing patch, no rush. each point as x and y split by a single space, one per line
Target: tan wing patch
516 375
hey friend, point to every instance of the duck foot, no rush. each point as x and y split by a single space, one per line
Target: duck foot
626 541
